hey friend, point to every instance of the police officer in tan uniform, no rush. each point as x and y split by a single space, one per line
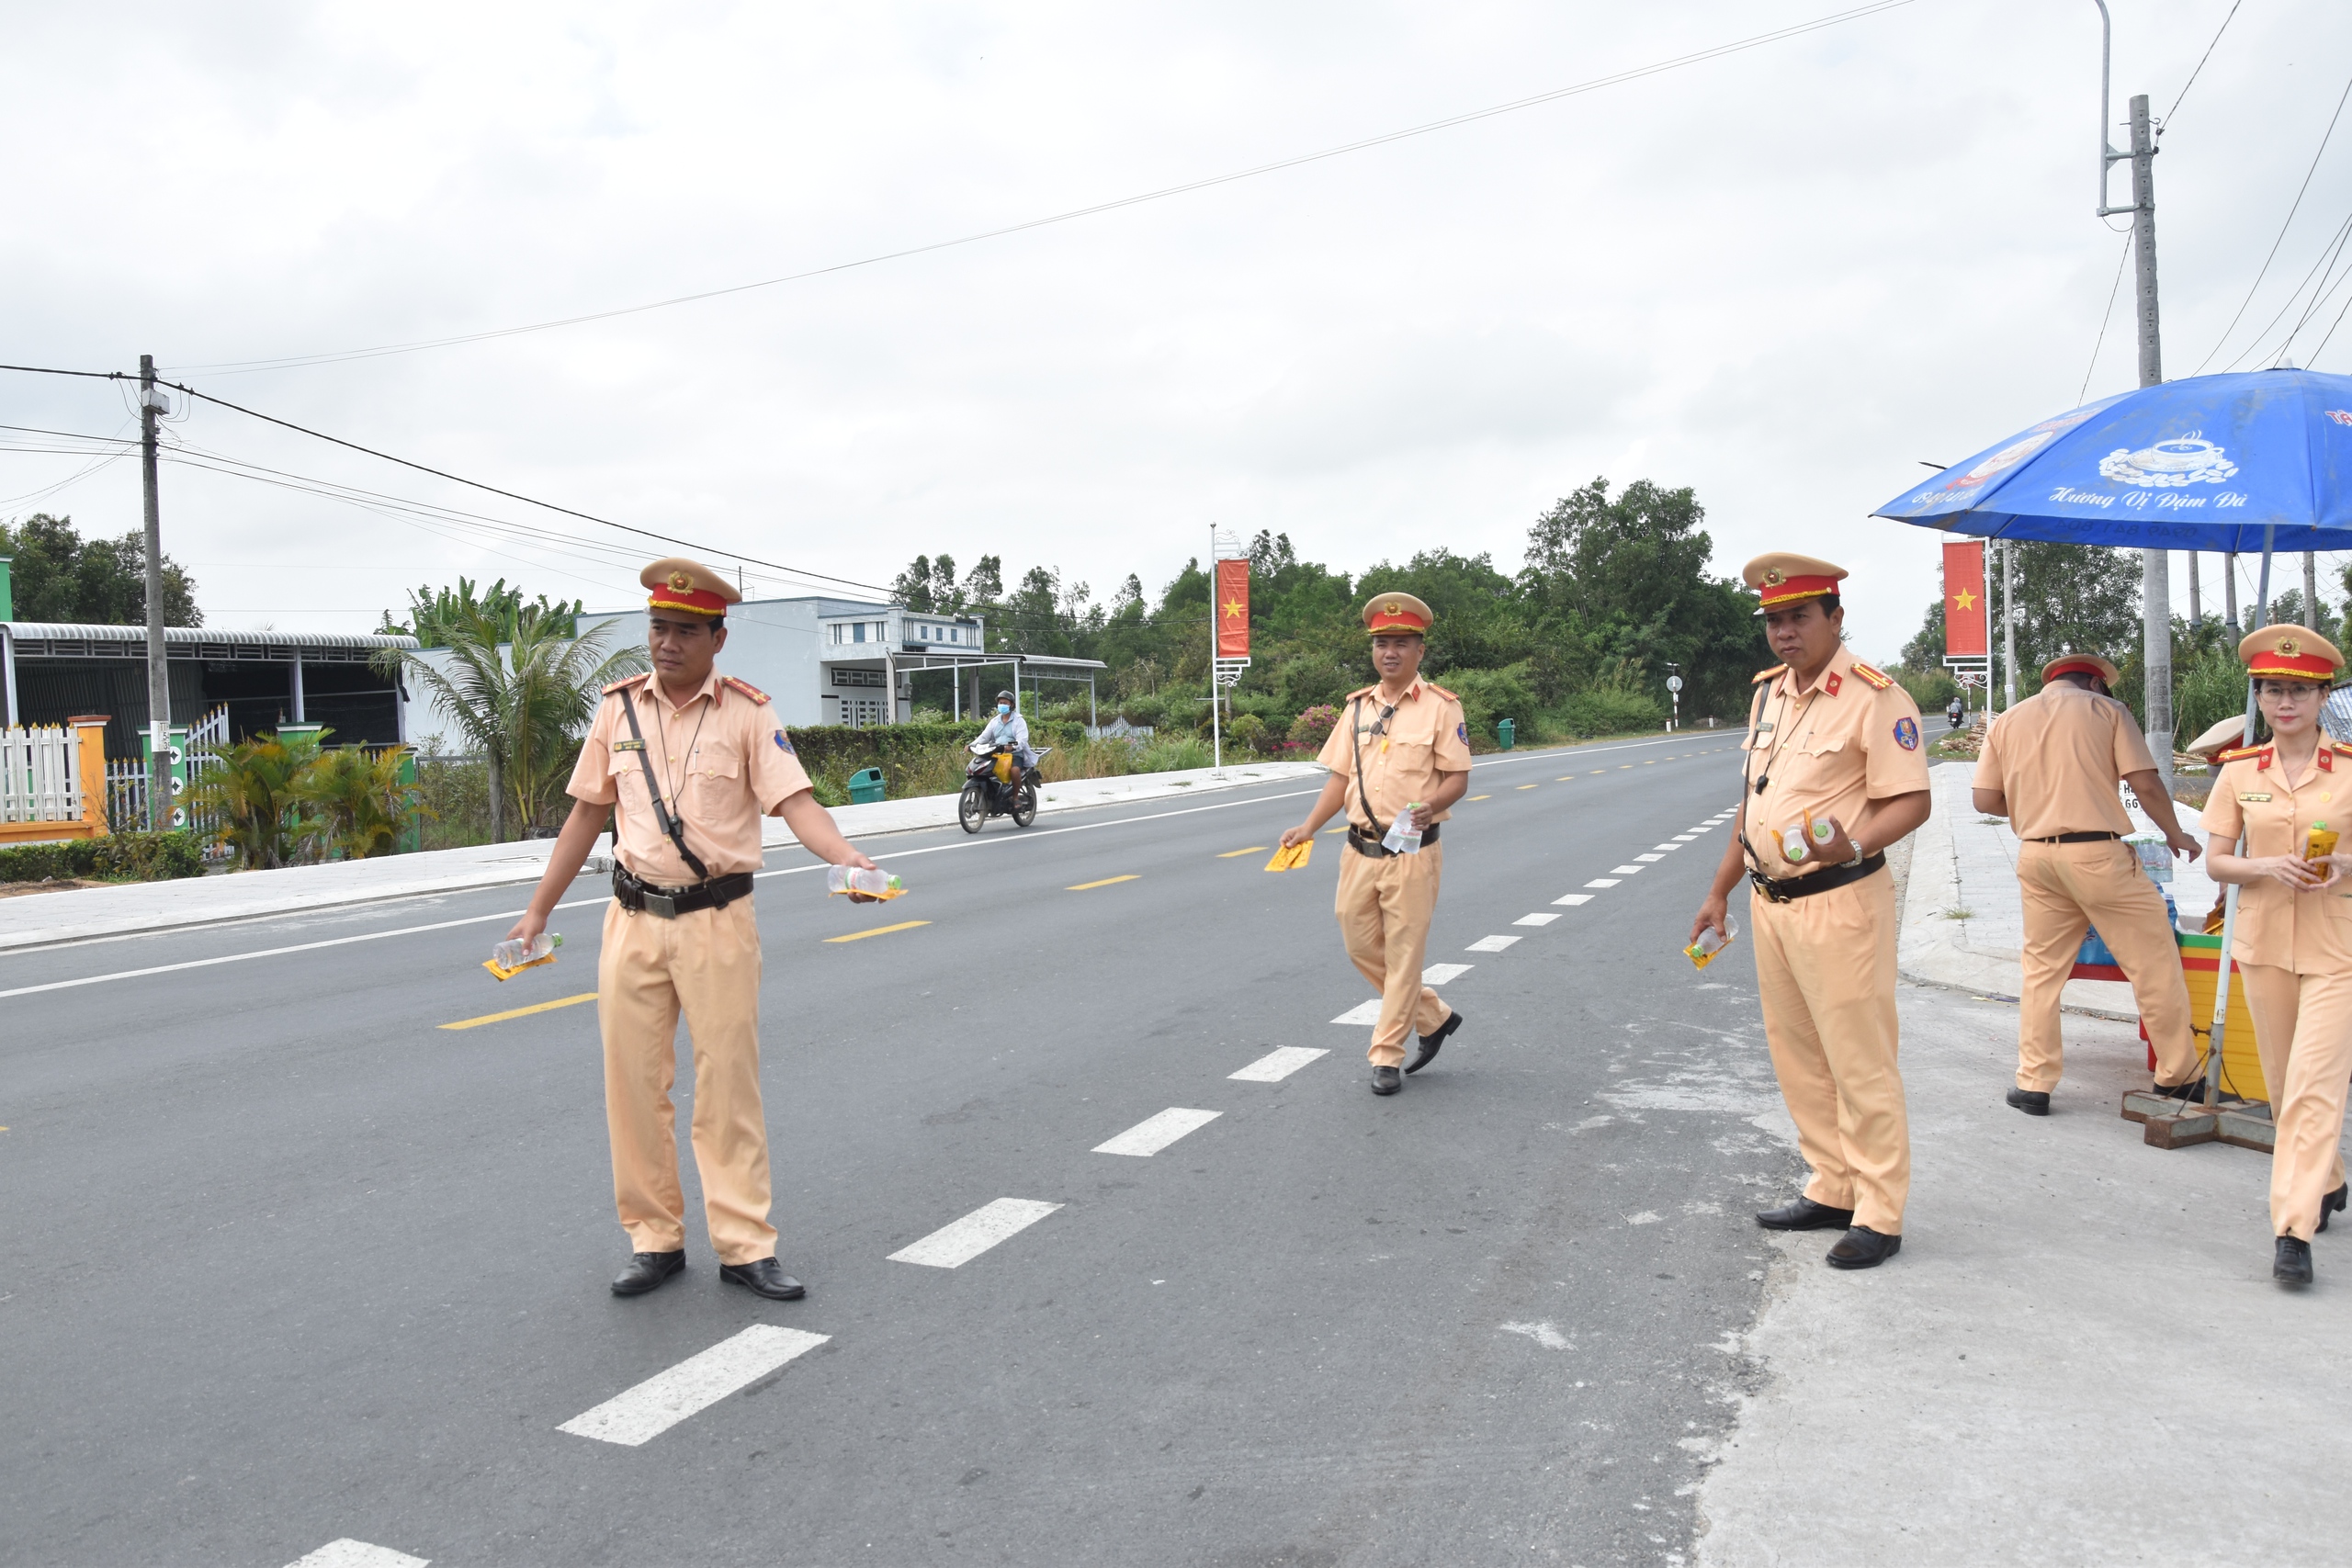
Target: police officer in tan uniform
2050 765
1401 747
686 761
2292 943
1834 774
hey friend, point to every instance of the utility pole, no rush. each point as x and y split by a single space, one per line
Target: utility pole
159 669
2230 600
2008 623
2195 603
2311 591
2156 580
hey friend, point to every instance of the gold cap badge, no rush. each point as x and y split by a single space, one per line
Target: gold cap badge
1396 609
1774 578
2289 646
681 581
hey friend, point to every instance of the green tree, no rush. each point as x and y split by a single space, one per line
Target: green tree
524 705
1925 651
2078 599
431 611
57 575
253 791
354 805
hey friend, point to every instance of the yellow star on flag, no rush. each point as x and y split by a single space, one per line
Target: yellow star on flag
1965 600
1233 607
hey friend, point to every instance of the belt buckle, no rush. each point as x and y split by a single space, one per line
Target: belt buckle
660 905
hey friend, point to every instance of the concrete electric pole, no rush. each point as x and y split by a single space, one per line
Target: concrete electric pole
2155 577
159 670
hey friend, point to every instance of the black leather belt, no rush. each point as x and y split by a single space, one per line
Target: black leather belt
669 903
1789 889
2078 839
1367 843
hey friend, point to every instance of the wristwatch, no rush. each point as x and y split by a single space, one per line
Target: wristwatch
1858 856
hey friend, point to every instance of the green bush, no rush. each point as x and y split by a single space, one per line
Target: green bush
1313 726
1931 690
1611 710
125 857
1491 694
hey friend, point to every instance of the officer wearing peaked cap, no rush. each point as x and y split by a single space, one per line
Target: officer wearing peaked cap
2292 941
1834 774
685 762
2050 765
1400 749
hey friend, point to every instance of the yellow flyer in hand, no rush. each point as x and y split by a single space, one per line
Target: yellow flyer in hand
1292 858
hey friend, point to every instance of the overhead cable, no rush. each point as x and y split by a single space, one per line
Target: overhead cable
247 367
2275 243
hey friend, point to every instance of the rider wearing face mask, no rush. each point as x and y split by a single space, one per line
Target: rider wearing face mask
1009 727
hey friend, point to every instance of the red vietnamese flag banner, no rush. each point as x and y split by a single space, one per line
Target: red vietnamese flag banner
1232 609
1965 636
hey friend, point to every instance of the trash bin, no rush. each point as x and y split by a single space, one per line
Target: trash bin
865 788
1505 733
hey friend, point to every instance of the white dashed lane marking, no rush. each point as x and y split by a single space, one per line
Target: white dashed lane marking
1603 882
1278 1064
1627 870
696 1383
953 1245
1573 900
1649 860
1534 919
1147 1138
1439 974
1491 944
349 1553
1686 838
1362 1012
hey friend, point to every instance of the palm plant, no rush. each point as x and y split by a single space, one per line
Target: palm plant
252 791
357 805
521 693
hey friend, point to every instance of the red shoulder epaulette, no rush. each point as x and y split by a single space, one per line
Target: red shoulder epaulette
745 687
2240 753
1878 678
2340 747
1764 675
1440 691
623 685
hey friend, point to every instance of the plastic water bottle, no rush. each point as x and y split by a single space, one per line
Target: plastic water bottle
1710 941
1404 839
857 879
512 954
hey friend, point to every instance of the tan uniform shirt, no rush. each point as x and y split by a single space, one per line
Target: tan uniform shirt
2058 756
724 761
1425 737
2310 933
1851 737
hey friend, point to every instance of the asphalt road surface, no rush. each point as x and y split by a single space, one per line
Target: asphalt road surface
292 1262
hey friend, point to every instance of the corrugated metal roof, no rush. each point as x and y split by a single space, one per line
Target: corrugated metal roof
173 637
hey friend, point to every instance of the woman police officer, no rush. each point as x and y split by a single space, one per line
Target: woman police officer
2293 941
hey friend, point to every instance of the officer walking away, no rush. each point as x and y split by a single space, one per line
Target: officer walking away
686 761
1401 749
1833 776
2294 940
2050 765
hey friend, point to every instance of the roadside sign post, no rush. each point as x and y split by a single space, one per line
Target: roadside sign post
1228 630
1674 690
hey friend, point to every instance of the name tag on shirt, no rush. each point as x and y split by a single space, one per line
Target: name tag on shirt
2253 797
640 746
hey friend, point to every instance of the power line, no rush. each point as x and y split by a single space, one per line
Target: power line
2113 290
2306 186
2318 268
2165 124
247 367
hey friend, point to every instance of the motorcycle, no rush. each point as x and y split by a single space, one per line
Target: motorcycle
995 785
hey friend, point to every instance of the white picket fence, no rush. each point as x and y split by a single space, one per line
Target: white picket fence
127 780
40 775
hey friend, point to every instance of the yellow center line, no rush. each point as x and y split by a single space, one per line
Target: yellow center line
1527 787
1251 851
1109 880
522 1012
879 931
1341 829
1597 772
1478 797
1566 778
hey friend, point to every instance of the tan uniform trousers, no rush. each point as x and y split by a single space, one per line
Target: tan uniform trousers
1825 969
705 962
2067 887
2303 1030
1385 907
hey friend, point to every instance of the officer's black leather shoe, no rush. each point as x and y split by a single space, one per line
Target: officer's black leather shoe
2332 1203
1804 1214
2291 1265
2193 1091
646 1270
1862 1247
766 1277
1387 1080
2032 1101
1430 1043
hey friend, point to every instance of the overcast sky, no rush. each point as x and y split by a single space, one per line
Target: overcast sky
1783 278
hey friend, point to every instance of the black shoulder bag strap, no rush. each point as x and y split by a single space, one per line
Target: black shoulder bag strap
670 826
1379 828
1747 765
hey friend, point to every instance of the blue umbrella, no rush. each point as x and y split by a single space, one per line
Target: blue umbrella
2258 460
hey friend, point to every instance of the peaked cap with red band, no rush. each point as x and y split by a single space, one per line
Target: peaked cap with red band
2292 653
1781 579
2080 664
682 584
1396 613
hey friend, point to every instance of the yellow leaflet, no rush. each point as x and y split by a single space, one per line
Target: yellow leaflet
1292 858
503 974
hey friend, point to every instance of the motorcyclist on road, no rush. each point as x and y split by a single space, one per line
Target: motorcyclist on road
1008 728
